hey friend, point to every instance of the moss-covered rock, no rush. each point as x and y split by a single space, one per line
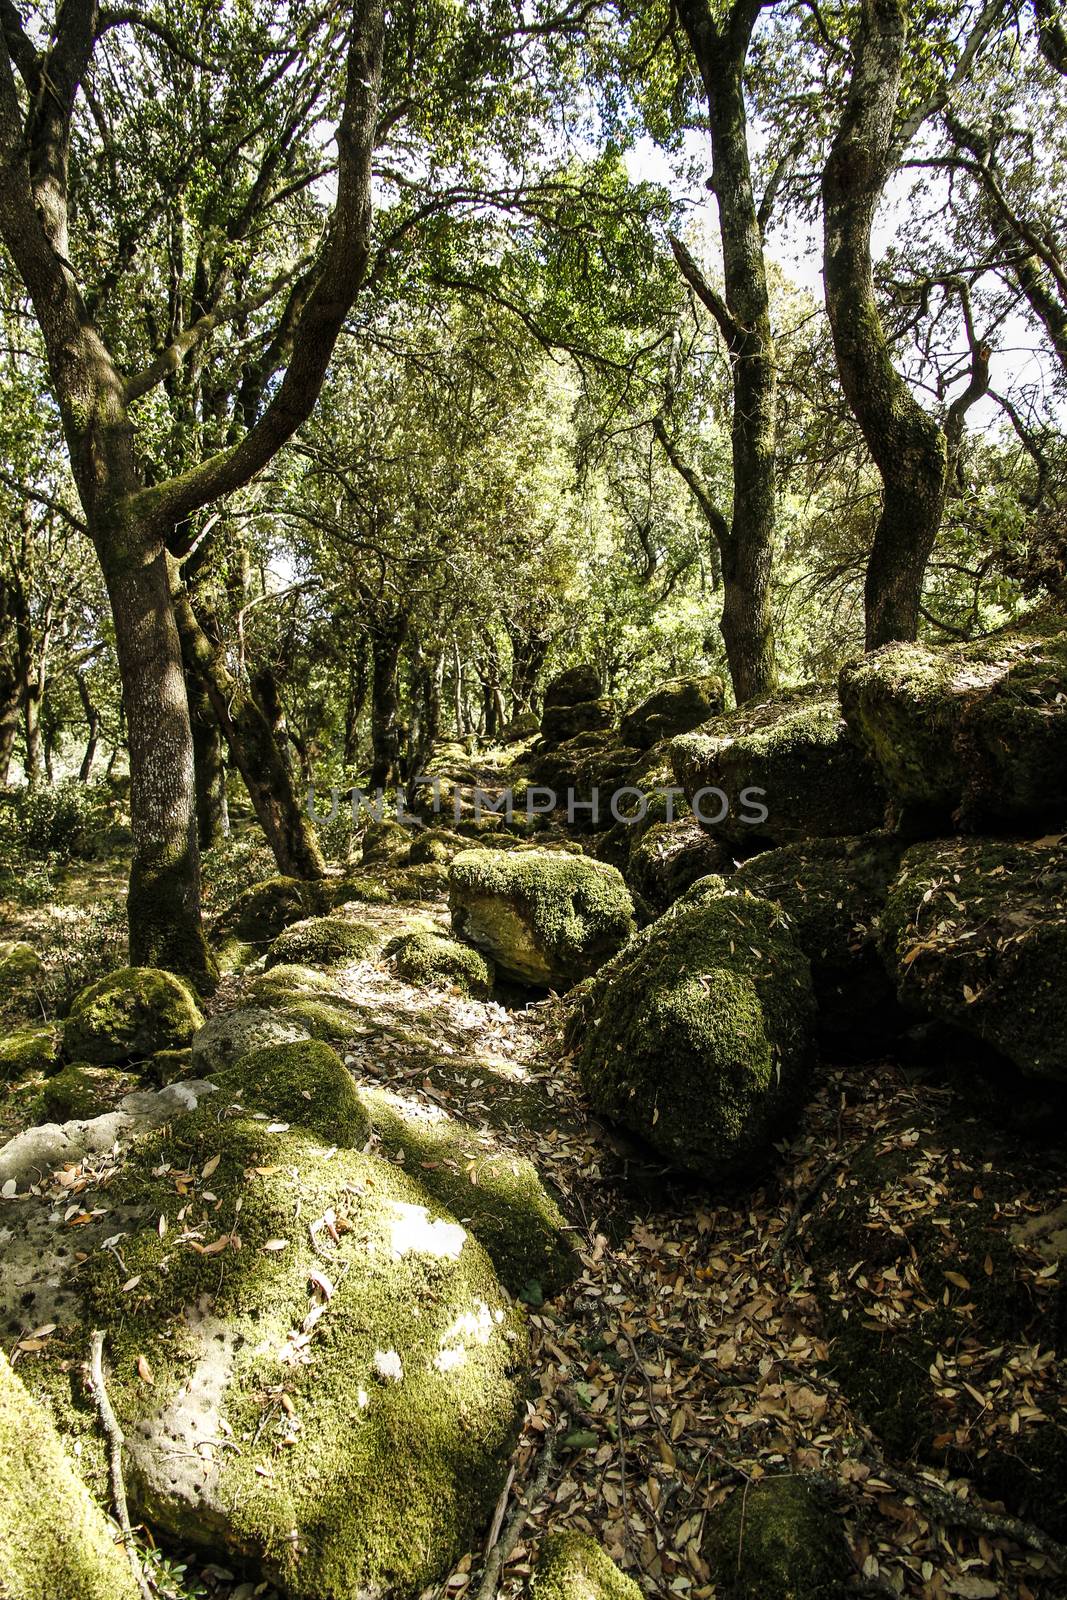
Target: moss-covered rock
668 857
323 942
232 1034
427 881
436 845
341 1286
261 911
130 1014
799 759
697 1036
675 707
833 891
335 1019
305 1083
496 1194
431 958
584 716
75 1093
572 1566
288 981
584 774
572 686
55 1541
28 1049
357 888
975 733
777 1540
385 842
22 975
544 917
975 935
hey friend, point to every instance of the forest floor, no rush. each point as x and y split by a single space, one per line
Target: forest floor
690 1356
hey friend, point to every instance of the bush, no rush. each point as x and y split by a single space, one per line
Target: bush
67 821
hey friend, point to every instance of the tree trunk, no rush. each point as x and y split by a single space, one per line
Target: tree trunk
387 641
212 819
254 750
354 703
10 707
92 719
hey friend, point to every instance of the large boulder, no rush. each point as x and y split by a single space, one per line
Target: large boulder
260 912
833 892
573 686
55 1541
546 918
697 1036
227 1037
973 733
668 857
783 770
572 1566
559 723
304 1082
130 1014
975 935
323 942
778 1539
675 707
431 958
315 1367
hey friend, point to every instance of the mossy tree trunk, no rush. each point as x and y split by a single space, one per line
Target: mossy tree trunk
212 818
92 724
388 634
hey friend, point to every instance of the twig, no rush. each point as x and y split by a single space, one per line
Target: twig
115 1440
951 1510
498 1555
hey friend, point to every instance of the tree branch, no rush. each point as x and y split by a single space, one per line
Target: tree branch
703 290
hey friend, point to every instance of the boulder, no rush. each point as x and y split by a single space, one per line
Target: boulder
833 892
975 935
261 911
385 842
77 1093
55 1541
670 856
305 1083
546 918
573 686
675 707
434 844
281 984
28 1049
323 942
130 1014
697 1036
527 725
593 765
430 958
586 716
22 975
572 1566
777 1539
974 734
233 1034
808 776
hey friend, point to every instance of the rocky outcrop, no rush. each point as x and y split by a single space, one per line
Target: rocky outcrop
573 704
129 1015
675 707
545 918
697 1036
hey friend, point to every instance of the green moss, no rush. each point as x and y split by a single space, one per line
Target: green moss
26 1050
428 881
288 981
430 958
55 1542
675 707
130 1014
545 917
22 976
777 1540
385 842
260 912
333 1020
434 845
571 1566
384 1483
74 1094
305 1083
975 933
697 1035
323 942
668 857
498 1196
360 887
168 1066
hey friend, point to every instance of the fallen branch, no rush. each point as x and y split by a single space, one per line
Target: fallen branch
948 1508
500 1552
115 1440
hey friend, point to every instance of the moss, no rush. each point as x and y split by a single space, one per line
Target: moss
26 1050
571 1566
385 842
362 888
333 1020
55 1542
430 958
74 1094
561 722
304 1083
428 881
323 942
383 1483
591 761
545 917
287 981
130 1014
498 1196
168 1066
260 912
434 845
797 749
668 857
229 1035
697 1035
975 933
22 975
675 707
777 1540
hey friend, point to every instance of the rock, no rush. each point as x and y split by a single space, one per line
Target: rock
675 707
430 958
496 1194
76 1093
28 1049
55 1541
385 842
434 844
973 733
357 888
777 1539
544 917
130 1014
560 723
305 1083
233 1034
342 1262
572 1566
584 775
281 984
975 935
260 912
833 892
797 756
323 942
670 856
573 686
527 725
333 1019
427 881
697 1036
22 974
167 1066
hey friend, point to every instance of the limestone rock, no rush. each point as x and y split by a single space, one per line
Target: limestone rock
232 1034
